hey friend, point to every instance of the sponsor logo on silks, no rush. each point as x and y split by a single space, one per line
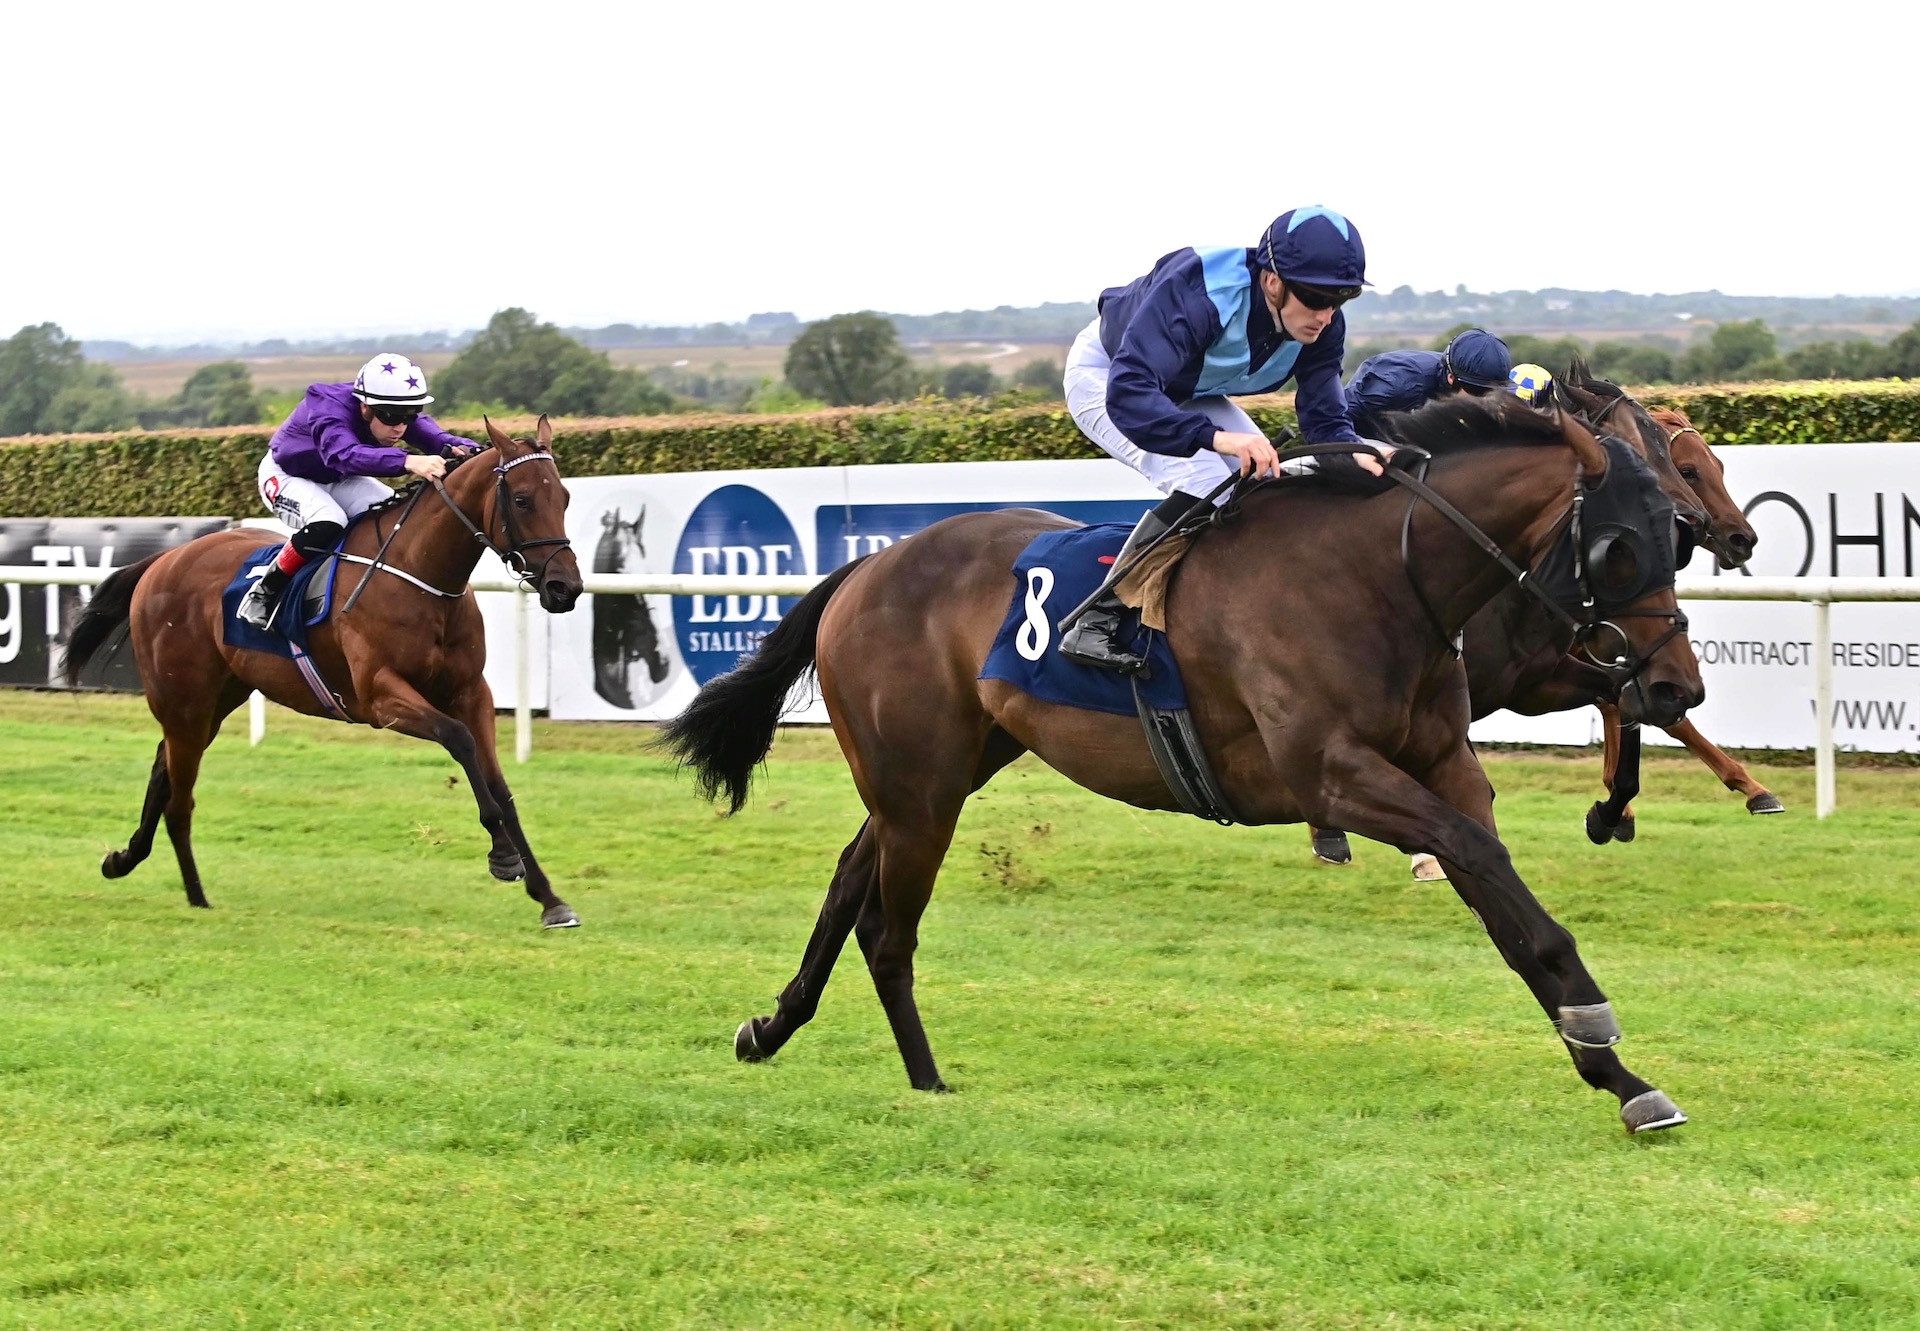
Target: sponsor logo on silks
739 532
844 532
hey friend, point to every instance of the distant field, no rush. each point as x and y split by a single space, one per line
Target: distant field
162 378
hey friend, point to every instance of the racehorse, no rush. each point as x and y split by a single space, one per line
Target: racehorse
406 655
623 629
1316 680
1518 656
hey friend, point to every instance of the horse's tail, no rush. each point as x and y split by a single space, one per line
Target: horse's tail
111 604
727 729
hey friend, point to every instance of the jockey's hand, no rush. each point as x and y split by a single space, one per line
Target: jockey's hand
429 466
466 450
1256 456
1369 463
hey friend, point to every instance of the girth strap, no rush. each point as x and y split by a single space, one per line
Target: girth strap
1183 765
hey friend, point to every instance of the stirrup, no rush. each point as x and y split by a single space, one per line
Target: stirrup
257 608
1093 641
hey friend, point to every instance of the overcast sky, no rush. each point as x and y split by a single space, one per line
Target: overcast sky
196 170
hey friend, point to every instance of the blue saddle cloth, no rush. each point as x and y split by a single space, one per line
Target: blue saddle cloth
289 625
1055 573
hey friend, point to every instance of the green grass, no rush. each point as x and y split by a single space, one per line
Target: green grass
1200 1083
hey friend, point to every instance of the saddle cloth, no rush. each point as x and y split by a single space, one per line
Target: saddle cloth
307 601
1055 573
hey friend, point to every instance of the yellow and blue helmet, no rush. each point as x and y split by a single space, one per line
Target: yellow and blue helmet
1531 384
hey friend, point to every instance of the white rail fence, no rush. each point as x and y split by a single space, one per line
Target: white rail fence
1820 593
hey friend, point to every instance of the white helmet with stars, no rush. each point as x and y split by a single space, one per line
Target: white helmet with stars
391 378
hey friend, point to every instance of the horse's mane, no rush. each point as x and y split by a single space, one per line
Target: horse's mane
1457 423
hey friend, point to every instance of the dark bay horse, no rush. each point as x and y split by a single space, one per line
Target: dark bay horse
1320 687
1517 654
1731 538
405 657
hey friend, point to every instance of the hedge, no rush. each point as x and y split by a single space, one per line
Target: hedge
162 473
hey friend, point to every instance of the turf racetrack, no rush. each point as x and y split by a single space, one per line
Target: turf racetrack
1200 1081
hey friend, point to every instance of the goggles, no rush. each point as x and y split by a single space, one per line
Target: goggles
389 415
1321 298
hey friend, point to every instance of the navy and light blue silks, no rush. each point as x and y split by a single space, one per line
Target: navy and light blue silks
1197 325
1055 573
1394 381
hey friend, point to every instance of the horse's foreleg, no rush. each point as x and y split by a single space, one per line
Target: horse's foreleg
761 1037
1611 819
1723 765
120 863
1330 845
1451 816
397 705
512 855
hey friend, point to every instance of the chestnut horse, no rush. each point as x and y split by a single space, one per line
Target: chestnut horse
1318 683
406 656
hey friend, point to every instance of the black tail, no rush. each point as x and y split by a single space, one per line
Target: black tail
105 614
727 729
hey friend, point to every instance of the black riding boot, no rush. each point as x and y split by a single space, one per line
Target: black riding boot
263 598
1088 634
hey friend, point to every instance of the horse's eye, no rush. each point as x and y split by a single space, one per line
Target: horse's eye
1690 473
522 502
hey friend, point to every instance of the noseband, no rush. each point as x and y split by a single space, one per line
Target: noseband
513 555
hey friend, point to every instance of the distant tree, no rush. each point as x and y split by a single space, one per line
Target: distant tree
970 378
219 394
1631 362
1729 352
1903 354
849 360
1042 375
47 387
519 362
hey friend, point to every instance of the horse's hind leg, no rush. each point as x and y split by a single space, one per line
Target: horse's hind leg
120 863
185 745
761 1037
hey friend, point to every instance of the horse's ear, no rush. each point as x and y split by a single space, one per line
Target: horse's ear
1593 458
543 435
496 434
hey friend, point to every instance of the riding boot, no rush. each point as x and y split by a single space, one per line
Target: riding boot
263 598
1089 633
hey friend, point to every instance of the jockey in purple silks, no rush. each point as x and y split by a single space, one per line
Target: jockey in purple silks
318 474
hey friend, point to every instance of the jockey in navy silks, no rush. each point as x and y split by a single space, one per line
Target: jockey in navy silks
318 474
1152 378
1474 362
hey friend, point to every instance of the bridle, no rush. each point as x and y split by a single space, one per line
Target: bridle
1622 667
512 553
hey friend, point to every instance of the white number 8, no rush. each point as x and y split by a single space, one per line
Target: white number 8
1031 641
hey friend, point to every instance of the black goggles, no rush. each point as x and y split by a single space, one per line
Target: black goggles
396 415
1322 298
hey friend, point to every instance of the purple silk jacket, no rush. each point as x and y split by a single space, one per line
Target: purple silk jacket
325 440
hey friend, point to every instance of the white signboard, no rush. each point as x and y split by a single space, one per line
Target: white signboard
1820 510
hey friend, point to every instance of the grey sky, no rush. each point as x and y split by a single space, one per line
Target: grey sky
175 171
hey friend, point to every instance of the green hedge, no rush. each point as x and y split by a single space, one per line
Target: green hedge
172 472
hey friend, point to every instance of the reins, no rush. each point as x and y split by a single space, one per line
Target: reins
512 554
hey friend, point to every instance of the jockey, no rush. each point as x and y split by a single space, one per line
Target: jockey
1532 384
1150 380
1474 362
318 474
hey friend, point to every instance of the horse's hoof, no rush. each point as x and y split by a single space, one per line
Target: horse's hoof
1626 830
1651 1111
746 1042
1589 1025
1426 869
1766 802
510 870
1599 829
559 916
117 864
1332 848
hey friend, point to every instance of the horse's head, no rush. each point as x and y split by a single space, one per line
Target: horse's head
1612 570
1605 408
525 514
1729 535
